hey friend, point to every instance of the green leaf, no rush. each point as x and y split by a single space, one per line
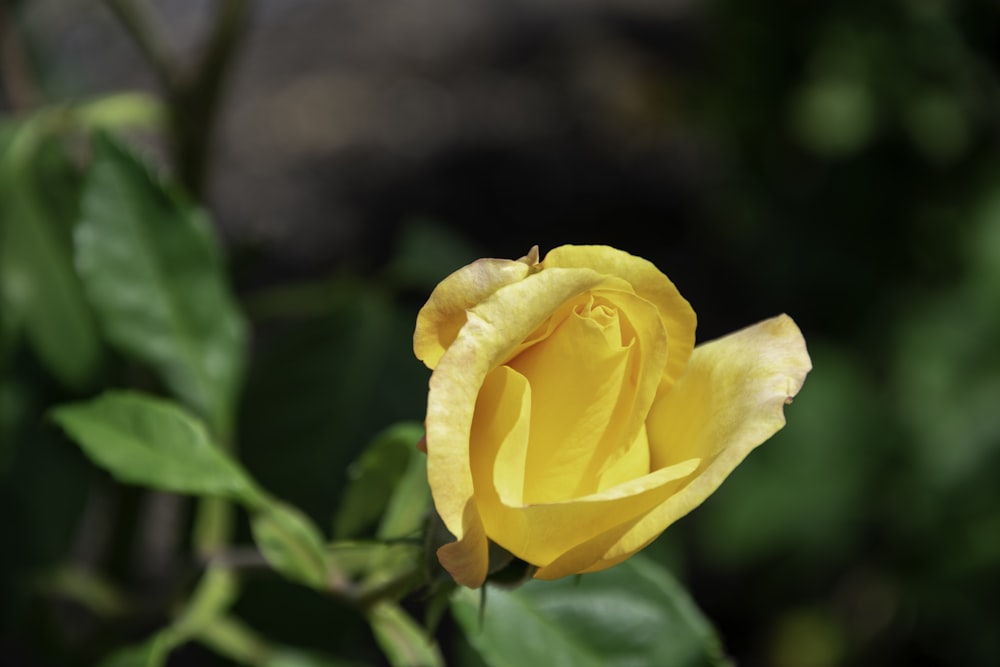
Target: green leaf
410 502
374 479
402 640
39 289
154 275
634 614
291 543
153 442
131 109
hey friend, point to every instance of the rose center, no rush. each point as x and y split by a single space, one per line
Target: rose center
582 382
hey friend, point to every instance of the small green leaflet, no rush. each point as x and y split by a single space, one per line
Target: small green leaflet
144 440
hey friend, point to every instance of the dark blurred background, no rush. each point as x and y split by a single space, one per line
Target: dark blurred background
837 161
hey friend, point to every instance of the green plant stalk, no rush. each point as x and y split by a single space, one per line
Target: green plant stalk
192 97
194 102
213 526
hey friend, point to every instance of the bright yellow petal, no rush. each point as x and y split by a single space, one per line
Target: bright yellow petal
492 330
441 318
732 396
590 556
649 283
632 462
541 534
498 444
729 401
592 382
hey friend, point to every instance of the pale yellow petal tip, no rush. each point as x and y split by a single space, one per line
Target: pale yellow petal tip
531 259
798 354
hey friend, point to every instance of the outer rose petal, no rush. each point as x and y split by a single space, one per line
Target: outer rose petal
491 331
439 321
649 283
729 400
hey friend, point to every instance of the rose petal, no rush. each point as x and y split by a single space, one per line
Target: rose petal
441 318
632 462
590 556
491 331
541 533
649 283
728 402
732 395
592 381
498 443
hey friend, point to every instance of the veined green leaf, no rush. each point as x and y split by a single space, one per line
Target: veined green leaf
632 615
144 440
154 442
154 275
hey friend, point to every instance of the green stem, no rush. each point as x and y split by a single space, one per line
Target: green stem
214 519
194 101
193 97
213 526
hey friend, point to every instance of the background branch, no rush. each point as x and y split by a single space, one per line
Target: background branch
16 78
192 95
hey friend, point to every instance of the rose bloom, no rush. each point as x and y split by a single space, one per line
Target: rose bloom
570 418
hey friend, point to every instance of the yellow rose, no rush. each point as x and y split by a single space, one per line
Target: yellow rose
570 418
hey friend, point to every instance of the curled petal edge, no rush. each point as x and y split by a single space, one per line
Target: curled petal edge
443 316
